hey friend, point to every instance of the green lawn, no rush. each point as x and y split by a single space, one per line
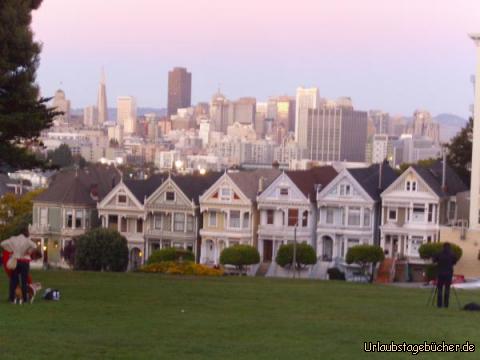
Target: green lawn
149 316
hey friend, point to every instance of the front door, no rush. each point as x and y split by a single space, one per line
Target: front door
267 250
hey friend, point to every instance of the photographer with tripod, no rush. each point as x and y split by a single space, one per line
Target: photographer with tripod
445 261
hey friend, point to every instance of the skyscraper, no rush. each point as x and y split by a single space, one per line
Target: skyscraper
475 181
423 125
179 90
102 101
307 98
127 114
60 103
335 132
90 116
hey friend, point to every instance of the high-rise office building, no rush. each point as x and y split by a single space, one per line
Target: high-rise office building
219 112
423 125
127 114
242 111
102 101
61 103
179 90
152 126
380 121
90 116
475 181
336 132
307 98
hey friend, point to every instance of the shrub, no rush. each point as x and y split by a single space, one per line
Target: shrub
429 250
240 256
365 255
335 274
184 268
101 250
170 254
305 255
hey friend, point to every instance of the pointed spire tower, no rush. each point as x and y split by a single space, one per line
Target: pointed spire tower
102 101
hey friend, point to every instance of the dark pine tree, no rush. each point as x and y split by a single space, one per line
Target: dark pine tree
23 114
459 155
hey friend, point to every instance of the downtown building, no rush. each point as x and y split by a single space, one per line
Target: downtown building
179 90
335 132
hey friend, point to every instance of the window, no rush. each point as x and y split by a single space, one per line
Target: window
246 220
78 219
167 222
154 246
166 244
234 218
158 222
139 225
43 216
366 217
122 199
407 186
430 212
69 218
418 213
352 242
170 196
123 224
190 247
212 219
345 190
179 222
305 219
392 214
87 220
190 223
225 194
329 215
354 216
283 191
292 217
452 210
270 216
414 186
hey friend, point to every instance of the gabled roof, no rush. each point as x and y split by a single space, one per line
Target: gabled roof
73 187
248 181
144 188
308 180
369 178
433 177
194 185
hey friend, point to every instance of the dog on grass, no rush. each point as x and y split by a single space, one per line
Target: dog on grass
32 290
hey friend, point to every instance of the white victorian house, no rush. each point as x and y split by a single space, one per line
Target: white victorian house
123 210
415 206
288 210
230 213
349 212
172 213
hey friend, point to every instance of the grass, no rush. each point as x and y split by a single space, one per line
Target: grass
149 316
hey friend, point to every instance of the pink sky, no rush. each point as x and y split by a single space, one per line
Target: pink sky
394 55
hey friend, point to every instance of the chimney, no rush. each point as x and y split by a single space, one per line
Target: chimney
94 192
261 184
444 169
380 175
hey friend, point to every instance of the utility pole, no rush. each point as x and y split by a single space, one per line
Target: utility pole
294 261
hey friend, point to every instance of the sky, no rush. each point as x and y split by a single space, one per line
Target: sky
396 56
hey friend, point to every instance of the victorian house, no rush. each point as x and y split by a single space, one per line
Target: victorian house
413 209
123 210
68 208
349 211
172 213
288 210
230 214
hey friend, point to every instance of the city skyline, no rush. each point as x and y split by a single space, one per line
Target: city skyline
402 62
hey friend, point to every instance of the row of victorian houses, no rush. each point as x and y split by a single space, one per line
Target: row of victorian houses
330 210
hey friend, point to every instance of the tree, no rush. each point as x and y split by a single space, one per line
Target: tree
365 256
459 155
101 250
23 115
429 250
423 163
240 256
16 213
305 255
61 157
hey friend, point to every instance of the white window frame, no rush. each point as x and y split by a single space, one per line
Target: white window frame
230 219
122 203
352 209
388 214
330 208
367 214
212 218
43 216
170 192
283 189
225 197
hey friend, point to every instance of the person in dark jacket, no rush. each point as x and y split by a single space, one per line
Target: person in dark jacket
445 261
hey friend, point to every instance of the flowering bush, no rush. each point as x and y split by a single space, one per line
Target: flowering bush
184 268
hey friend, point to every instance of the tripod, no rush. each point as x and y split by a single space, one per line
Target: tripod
433 295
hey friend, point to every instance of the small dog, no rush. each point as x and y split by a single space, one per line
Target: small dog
32 292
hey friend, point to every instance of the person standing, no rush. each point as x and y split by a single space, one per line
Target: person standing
445 261
20 248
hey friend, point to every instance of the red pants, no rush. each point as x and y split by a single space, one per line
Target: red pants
5 257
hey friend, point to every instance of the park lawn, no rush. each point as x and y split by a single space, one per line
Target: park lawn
150 316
